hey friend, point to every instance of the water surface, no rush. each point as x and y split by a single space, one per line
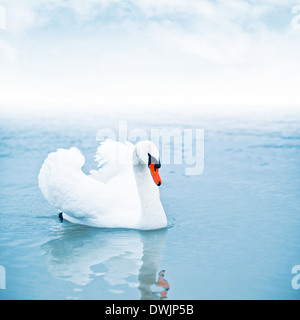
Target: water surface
233 231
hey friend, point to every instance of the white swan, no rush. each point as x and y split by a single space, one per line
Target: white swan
121 194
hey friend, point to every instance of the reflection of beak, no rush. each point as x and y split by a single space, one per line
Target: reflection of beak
164 283
155 175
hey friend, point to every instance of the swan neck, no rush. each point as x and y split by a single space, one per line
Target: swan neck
152 213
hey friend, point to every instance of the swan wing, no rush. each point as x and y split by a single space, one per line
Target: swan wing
82 199
113 158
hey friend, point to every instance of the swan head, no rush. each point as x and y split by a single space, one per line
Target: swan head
148 154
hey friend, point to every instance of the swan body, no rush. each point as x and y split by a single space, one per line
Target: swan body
120 194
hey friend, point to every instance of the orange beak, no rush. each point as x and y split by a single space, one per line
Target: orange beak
155 174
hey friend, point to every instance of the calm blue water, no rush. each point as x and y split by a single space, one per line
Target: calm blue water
234 231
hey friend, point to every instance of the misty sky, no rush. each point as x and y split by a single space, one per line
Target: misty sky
150 52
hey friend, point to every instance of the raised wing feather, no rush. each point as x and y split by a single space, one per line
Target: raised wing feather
113 158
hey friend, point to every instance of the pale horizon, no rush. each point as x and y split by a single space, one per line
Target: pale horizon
159 54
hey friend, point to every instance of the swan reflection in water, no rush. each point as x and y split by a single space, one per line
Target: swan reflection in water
79 251
161 287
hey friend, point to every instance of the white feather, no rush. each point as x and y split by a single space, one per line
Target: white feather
118 195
